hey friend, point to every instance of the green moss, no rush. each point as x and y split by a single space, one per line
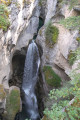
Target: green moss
13 104
78 39
51 77
2 92
4 21
51 34
71 57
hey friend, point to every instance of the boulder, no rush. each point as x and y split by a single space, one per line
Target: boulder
13 103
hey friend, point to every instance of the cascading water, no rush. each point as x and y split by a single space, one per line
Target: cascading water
32 62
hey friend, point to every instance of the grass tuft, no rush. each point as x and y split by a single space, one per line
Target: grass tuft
71 22
71 57
51 34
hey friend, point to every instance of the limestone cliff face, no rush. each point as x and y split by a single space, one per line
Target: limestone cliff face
24 19
24 22
58 54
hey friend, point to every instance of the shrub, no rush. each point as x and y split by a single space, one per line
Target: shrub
13 104
71 22
71 57
4 21
51 77
51 34
63 98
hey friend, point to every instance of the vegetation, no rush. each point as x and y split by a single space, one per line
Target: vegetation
71 22
40 2
4 21
2 92
51 34
51 77
13 104
63 109
71 57
78 39
6 2
71 3
44 118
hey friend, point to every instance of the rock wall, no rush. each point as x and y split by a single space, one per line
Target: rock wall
24 22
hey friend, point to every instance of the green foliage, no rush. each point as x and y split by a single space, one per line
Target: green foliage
63 98
71 57
71 22
61 110
4 21
13 104
51 34
51 77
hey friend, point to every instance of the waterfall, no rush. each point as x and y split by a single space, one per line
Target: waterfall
32 62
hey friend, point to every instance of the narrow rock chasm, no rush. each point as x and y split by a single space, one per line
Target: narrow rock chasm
18 62
41 23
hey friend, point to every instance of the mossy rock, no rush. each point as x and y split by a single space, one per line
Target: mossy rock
4 21
51 34
2 92
51 77
12 104
71 57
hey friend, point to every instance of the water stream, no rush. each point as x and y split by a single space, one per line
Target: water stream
29 100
